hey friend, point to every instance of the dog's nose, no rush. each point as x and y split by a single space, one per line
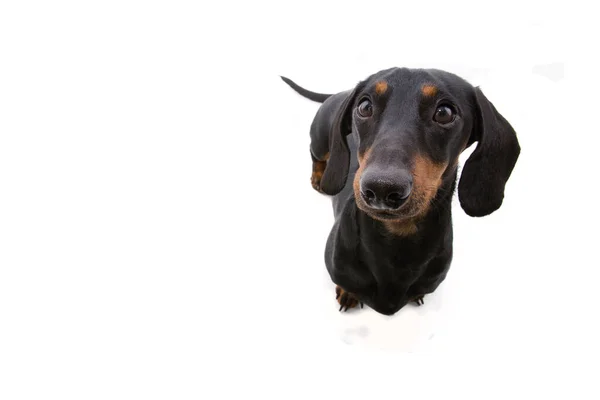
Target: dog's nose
385 190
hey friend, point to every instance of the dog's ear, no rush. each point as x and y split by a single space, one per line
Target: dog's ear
484 176
336 171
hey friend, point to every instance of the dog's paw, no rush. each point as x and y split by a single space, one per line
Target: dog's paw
418 300
346 299
317 173
315 181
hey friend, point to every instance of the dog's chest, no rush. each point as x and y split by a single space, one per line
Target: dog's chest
396 260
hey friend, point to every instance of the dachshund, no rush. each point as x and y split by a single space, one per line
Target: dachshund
387 152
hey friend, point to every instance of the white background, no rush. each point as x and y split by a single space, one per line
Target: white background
159 237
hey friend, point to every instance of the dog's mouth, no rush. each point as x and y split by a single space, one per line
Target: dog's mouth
404 212
385 216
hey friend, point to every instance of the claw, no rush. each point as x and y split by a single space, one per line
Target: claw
344 301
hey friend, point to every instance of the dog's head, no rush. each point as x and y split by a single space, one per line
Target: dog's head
411 126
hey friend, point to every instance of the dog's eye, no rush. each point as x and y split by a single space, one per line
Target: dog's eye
444 115
365 109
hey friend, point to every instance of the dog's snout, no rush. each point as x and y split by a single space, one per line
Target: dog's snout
386 190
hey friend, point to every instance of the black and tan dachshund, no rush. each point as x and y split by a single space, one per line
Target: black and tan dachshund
387 151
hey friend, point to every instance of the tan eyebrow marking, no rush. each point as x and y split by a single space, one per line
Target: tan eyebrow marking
429 90
381 87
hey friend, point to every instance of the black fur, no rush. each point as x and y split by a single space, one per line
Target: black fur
378 264
319 97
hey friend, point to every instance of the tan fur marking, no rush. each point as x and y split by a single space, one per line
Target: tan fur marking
362 158
427 178
429 90
318 169
356 182
381 87
401 228
362 161
345 299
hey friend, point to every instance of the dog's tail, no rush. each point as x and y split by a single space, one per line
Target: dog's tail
318 97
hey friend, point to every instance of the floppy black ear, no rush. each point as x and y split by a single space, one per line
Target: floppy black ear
336 171
484 176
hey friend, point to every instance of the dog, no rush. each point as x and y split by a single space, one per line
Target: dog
387 152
